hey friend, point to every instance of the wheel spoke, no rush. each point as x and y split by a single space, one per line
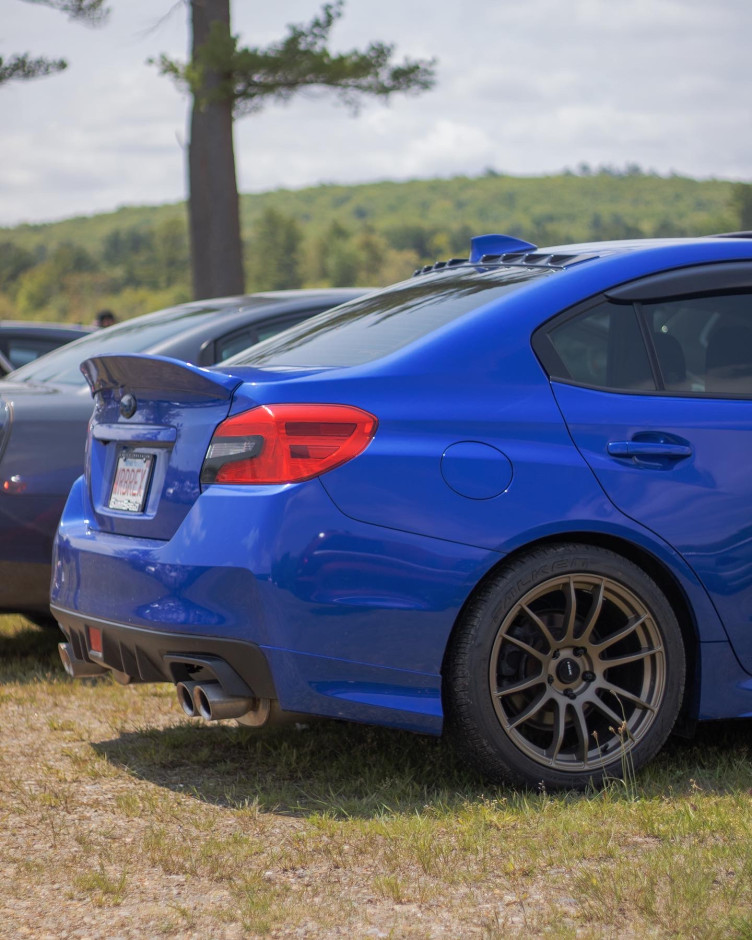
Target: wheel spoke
559 730
531 650
631 657
580 727
521 686
629 696
631 625
540 625
570 614
533 708
593 614
617 719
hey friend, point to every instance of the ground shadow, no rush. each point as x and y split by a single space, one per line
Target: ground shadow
347 770
332 767
28 652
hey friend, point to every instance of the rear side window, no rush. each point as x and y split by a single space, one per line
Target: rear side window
379 324
21 350
602 347
704 344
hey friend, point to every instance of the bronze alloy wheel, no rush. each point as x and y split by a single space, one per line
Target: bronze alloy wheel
566 668
577 671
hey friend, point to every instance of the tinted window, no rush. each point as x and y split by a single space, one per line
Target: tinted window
21 350
704 344
235 343
374 326
602 347
132 336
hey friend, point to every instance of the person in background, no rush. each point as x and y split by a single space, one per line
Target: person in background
105 318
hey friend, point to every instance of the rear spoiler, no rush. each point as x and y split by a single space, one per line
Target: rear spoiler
158 376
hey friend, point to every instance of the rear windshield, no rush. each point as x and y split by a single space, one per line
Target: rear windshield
379 324
141 334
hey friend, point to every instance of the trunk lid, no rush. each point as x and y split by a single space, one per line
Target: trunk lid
153 420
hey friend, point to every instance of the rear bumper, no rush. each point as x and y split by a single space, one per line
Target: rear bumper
155 656
328 615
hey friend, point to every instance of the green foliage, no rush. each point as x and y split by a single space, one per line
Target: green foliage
741 200
93 12
252 76
24 67
136 259
273 259
14 260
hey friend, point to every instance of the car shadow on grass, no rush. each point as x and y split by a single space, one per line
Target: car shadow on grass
329 767
346 770
27 651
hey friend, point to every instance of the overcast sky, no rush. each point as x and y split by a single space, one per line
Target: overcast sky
524 87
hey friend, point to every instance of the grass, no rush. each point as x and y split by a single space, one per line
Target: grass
120 817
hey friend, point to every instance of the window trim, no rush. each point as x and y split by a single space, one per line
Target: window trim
551 362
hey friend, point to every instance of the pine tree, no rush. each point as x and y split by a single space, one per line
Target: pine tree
226 80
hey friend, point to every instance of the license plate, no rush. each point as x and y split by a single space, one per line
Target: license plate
131 481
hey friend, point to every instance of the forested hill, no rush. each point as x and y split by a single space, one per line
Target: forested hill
136 259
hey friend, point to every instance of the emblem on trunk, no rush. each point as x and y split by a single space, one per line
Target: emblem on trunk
127 405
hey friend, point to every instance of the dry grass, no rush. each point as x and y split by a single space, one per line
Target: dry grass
120 818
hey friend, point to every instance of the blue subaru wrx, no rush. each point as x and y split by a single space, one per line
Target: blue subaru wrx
509 499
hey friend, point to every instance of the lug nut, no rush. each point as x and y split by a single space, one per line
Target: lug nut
588 676
569 693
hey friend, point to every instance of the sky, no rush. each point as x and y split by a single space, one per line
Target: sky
524 88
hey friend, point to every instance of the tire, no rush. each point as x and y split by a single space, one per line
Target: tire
567 669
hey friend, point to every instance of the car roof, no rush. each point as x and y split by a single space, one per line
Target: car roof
36 326
508 250
183 330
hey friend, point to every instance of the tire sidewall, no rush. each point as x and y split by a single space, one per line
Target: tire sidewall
472 716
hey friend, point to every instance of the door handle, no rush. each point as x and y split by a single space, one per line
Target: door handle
648 449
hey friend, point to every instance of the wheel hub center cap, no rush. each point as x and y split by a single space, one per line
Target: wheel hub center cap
567 671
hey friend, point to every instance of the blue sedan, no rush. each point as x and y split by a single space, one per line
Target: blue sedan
508 499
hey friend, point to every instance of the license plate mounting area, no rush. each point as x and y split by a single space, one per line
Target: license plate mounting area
131 483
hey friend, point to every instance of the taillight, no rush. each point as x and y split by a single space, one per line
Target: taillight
286 443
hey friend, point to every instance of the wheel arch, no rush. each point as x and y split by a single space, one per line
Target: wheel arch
653 567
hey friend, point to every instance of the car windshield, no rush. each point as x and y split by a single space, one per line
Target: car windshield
378 324
141 334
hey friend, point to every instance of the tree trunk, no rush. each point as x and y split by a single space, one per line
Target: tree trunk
214 222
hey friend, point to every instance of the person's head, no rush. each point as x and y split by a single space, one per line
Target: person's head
105 318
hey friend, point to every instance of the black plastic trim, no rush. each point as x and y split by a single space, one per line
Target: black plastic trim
716 276
148 655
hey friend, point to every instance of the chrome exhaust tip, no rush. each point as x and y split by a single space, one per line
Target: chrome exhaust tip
185 692
212 703
75 667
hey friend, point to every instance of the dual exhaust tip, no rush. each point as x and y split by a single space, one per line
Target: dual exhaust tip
208 700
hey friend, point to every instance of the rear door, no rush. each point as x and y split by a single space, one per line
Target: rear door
655 384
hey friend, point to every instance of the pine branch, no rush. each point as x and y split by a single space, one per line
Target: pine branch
23 67
301 61
91 12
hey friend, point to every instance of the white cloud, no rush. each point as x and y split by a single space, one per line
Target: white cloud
525 88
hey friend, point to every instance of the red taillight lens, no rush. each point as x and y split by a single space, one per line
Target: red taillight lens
286 443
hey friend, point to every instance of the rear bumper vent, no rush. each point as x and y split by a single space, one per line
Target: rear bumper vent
156 656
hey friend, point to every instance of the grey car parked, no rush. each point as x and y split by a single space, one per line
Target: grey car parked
22 341
45 407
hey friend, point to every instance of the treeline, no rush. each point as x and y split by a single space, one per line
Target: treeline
136 259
